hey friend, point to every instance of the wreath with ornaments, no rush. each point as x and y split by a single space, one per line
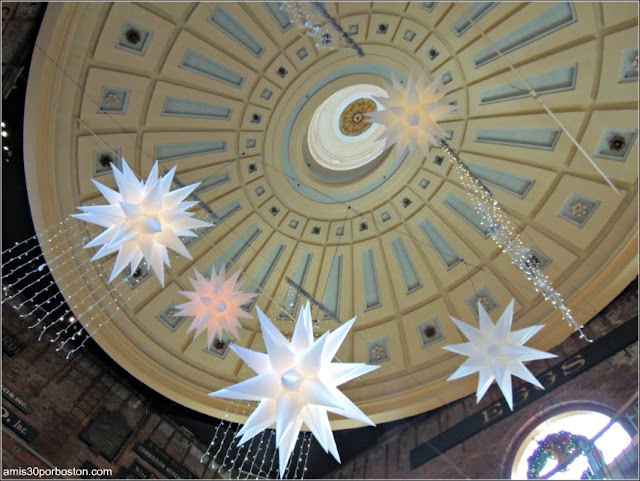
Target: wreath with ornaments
562 446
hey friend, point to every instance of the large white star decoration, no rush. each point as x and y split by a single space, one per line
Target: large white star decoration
496 353
215 304
411 114
142 220
296 383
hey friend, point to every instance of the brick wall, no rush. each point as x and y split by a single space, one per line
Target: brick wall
489 454
66 395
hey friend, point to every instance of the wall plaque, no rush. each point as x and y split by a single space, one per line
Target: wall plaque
10 344
107 433
15 399
160 460
17 425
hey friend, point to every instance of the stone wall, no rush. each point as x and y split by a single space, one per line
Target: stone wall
66 395
489 453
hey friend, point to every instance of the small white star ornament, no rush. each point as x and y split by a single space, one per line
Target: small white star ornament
411 114
495 352
215 304
296 383
142 220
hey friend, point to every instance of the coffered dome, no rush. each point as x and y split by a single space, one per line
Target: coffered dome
235 97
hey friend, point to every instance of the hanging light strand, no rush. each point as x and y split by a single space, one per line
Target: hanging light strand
504 232
306 458
256 456
315 21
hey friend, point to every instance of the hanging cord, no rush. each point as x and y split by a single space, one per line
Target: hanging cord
84 93
536 96
97 136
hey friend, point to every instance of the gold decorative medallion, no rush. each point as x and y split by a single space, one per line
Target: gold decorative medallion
352 120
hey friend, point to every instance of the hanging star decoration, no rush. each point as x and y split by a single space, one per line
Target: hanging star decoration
496 353
411 114
143 219
215 304
296 383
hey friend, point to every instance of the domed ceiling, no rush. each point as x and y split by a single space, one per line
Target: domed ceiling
226 92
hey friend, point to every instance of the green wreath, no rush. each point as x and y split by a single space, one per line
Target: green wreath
560 446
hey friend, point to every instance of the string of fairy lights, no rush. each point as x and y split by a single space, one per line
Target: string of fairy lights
504 232
314 20
7 152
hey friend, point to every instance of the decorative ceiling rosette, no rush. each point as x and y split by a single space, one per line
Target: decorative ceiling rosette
411 114
296 383
215 304
142 220
495 352
353 121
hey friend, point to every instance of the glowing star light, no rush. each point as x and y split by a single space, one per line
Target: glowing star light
142 220
496 353
411 114
215 304
296 383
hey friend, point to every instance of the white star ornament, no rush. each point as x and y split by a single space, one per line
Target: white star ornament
142 220
215 304
296 383
411 114
496 353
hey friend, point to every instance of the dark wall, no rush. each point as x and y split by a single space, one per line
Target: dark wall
66 395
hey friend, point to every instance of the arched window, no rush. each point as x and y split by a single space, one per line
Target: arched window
577 424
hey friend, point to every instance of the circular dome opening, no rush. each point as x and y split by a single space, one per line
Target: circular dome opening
340 137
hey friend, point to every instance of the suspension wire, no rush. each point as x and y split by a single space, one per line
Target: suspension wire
532 92
333 259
